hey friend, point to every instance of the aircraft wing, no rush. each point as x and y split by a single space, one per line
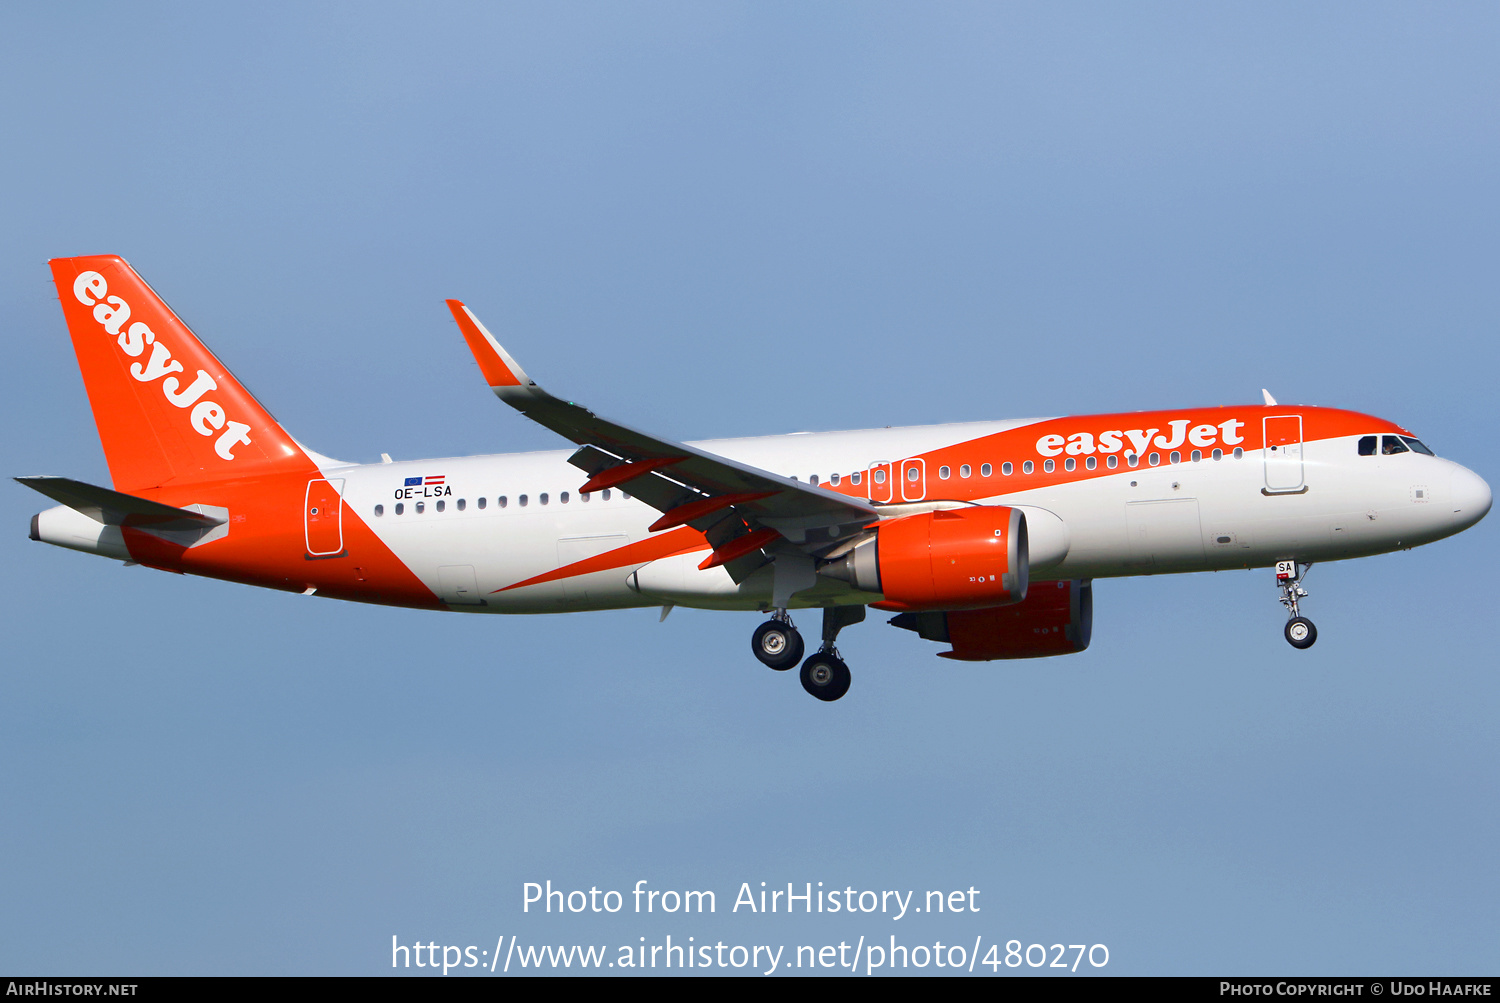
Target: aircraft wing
742 509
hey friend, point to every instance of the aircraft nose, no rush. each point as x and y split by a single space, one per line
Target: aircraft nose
1471 497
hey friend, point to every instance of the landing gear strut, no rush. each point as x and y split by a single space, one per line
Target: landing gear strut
1300 632
825 675
777 643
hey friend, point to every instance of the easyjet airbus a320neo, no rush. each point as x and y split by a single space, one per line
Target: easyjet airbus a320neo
983 536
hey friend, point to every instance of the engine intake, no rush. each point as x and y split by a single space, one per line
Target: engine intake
967 558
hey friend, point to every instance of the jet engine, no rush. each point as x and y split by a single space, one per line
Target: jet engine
1055 618
966 558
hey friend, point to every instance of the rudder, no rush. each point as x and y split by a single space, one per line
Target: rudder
167 410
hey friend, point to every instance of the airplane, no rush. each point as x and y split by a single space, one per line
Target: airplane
985 536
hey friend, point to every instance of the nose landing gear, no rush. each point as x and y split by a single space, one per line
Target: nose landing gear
1300 632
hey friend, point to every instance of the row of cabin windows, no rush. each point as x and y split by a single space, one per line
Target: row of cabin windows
1388 445
503 501
1391 445
1048 466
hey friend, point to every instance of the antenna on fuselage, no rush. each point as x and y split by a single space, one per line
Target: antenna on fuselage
1270 401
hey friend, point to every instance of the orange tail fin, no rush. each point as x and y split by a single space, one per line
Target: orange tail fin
168 412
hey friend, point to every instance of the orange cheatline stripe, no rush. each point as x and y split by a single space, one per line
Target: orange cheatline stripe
626 471
683 541
495 371
686 513
739 548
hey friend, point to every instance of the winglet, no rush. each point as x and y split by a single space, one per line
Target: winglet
499 369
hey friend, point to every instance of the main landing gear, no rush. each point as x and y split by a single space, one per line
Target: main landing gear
1300 632
778 644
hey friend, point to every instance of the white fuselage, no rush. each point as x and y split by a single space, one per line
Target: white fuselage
1209 514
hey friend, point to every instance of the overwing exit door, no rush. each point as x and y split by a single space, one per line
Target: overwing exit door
913 479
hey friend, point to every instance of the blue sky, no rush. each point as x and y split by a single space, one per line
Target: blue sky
736 219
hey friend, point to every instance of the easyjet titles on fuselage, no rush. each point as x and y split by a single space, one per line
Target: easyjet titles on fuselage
1112 441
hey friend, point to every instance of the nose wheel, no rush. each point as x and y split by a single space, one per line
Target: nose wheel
1300 632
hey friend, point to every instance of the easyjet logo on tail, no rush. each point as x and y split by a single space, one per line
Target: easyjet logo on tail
206 417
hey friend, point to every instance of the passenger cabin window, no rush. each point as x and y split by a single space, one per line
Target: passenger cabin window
1027 467
833 479
1006 468
965 470
1392 444
502 501
943 472
1367 445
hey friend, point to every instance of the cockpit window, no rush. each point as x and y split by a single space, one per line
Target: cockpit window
1392 445
1367 445
1416 445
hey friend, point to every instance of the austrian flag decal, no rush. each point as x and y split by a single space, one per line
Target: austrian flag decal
427 486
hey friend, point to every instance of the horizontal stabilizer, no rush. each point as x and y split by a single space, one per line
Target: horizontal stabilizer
113 508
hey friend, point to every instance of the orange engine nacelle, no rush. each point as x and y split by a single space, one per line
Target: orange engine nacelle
966 558
1056 618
